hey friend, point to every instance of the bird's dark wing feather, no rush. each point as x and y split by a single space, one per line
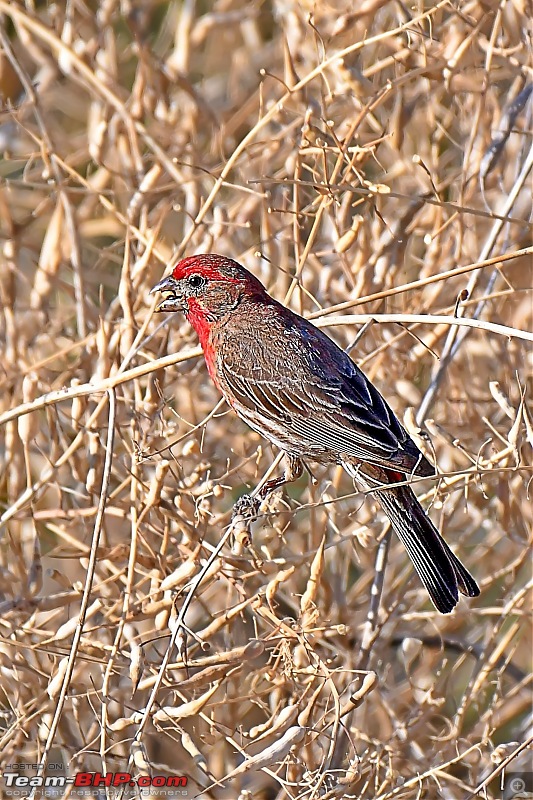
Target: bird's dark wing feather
293 383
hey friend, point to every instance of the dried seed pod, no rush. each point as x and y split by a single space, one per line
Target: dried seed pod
347 239
50 259
95 463
28 424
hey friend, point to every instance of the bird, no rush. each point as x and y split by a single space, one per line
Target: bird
296 387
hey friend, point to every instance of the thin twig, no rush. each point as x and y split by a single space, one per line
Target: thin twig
86 596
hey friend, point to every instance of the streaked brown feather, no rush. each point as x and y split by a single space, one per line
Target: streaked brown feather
292 375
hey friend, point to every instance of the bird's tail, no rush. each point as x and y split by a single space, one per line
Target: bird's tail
439 569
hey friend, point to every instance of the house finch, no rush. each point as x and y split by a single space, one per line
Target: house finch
296 387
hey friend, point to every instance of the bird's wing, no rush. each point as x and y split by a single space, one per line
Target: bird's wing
302 387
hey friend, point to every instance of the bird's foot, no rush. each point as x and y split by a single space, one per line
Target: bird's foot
246 506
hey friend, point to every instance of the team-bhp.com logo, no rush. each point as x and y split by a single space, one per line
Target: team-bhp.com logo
19 785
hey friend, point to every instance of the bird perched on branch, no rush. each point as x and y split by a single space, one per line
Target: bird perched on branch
295 386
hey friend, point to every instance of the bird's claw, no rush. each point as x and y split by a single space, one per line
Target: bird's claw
246 506
244 509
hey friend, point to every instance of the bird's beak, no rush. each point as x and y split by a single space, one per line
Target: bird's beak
174 301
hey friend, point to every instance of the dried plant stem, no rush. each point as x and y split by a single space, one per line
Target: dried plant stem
430 319
418 284
454 342
86 596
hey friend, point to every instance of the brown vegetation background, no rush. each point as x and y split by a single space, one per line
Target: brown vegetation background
372 155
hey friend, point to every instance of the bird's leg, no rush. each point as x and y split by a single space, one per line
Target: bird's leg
293 469
248 506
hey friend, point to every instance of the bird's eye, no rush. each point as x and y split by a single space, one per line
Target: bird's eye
196 281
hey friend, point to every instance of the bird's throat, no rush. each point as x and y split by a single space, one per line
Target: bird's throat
202 323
